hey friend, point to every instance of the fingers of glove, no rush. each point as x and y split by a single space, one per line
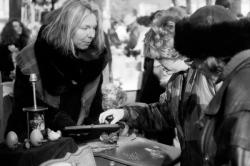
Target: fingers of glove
104 115
117 116
115 120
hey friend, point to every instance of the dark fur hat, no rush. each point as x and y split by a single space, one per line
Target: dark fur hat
212 31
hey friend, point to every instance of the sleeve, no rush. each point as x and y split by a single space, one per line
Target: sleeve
240 131
236 127
156 116
234 133
233 139
6 63
237 108
240 156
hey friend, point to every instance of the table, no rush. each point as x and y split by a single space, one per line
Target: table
129 151
82 157
36 155
135 151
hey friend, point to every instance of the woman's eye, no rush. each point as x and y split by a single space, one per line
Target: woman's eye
84 28
165 69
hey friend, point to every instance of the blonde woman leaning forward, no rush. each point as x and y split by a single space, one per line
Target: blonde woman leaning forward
68 56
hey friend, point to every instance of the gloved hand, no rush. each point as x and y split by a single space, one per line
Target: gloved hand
117 115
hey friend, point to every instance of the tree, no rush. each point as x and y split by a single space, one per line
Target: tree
15 9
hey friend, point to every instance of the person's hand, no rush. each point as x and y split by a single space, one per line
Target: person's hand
13 48
117 115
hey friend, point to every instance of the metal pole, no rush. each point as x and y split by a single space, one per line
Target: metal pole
34 94
33 79
28 126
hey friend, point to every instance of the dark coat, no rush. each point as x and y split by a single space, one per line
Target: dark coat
226 136
149 93
62 76
149 79
6 63
186 96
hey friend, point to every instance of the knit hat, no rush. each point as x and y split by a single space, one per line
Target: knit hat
207 32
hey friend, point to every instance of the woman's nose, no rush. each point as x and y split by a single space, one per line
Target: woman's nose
91 33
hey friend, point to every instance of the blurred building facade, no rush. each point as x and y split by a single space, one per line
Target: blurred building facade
16 8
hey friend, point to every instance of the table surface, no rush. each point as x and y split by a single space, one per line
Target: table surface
135 151
130 151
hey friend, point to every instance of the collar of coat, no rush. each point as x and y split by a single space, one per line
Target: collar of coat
235 63
238 62
63 70
220 40
27 63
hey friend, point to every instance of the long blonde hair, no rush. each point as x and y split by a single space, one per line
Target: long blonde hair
63 22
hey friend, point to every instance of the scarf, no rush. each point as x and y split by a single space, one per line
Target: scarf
27 62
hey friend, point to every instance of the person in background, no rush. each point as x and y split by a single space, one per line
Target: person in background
68 57
114 39
219 44
134 30
14 37
188 92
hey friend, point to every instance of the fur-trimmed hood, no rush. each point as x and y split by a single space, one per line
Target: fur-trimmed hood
223 39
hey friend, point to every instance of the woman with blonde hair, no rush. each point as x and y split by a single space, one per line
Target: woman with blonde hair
68 57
